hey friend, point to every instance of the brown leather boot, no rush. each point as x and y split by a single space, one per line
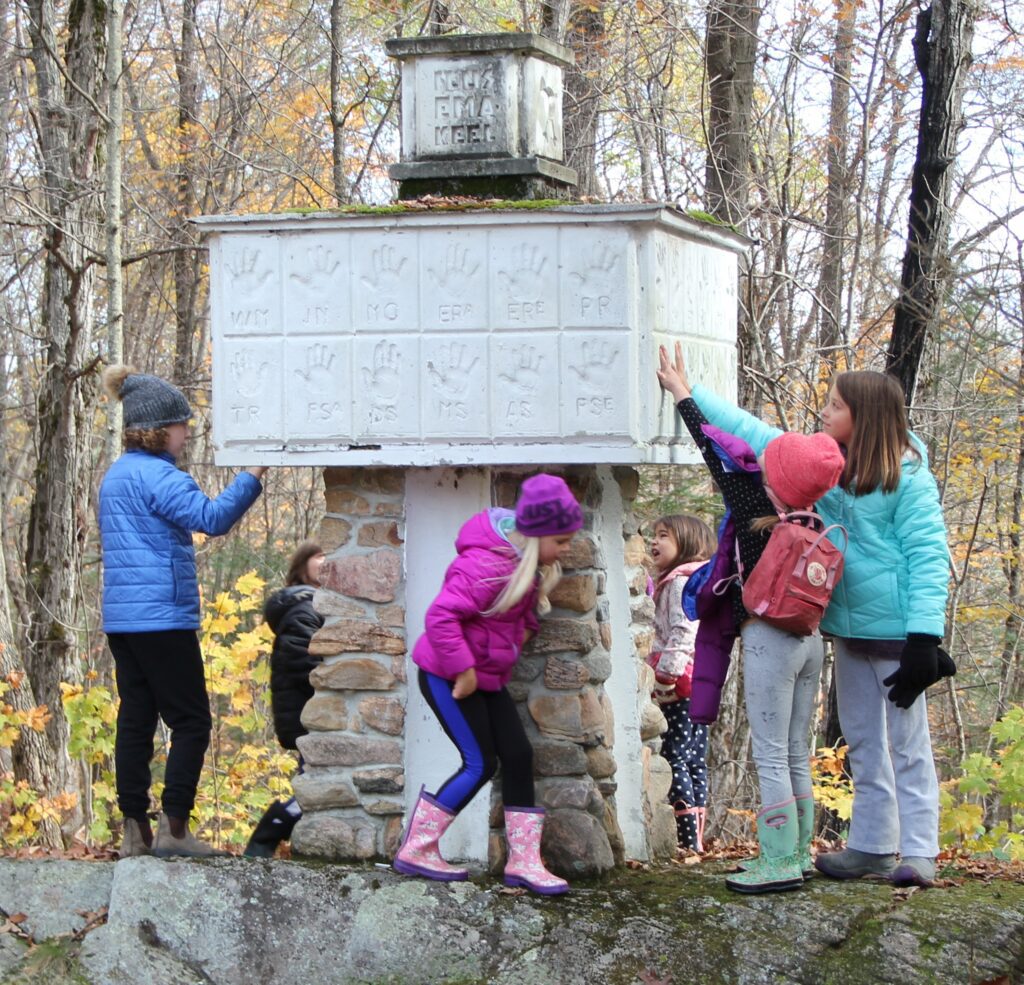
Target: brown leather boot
134 841
188 845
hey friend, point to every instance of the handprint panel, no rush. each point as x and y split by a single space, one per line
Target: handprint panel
454 382
595 384
386 386
524 383
524 279
248 387
318 388
250 288
384 282
453 280
316 284
597 286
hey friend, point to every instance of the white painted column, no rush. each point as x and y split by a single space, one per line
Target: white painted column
622 687
438 501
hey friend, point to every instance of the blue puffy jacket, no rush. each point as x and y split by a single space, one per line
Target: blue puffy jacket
896 576
148 511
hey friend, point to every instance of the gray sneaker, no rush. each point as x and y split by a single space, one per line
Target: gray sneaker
914 871
133 843
852 864
165 845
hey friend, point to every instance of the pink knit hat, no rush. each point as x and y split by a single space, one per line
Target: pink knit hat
547 508
801 468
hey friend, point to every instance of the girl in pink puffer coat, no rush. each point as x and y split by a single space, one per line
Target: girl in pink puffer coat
506 564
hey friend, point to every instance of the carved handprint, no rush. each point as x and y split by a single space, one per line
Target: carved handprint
595 274
526 281
242 268
249 374
382 380
319 273
597 365
318 369
455 278
523 370
451 377
386 275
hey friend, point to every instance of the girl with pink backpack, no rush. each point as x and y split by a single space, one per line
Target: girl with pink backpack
507 563
781 669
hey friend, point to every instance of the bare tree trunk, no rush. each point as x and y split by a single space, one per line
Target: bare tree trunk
585 35
68 129
115 288
338 114
942 49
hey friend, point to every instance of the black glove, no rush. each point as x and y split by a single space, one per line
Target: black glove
922 663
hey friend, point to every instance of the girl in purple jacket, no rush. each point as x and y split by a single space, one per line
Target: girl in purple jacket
507 562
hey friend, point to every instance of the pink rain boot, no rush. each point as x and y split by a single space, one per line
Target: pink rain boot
419 854
523 827
697 813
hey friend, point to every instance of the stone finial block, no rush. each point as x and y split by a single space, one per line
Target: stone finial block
558 758
387 779
332 749
371 576
563 674
652 722
325 712
566 635
635 550
326 836
384 714
575 592
379 533
575 844
317 791
355 636
352 674
334 533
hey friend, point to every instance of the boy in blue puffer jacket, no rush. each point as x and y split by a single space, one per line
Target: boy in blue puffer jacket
148 511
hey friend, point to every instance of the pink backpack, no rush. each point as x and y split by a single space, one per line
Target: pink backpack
792 582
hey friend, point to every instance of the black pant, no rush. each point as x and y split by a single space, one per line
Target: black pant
487 730
159 674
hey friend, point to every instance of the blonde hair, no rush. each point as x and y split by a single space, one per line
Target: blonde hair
525 577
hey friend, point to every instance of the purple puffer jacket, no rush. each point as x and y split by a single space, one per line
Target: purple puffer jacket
717 631
456 635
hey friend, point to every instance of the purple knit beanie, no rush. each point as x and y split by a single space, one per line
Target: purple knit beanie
546 508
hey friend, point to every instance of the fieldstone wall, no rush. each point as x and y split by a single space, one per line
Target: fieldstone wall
351 790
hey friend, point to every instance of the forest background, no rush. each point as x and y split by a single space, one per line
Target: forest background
798 123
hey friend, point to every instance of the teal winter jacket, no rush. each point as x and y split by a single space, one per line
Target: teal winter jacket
148 511
896 577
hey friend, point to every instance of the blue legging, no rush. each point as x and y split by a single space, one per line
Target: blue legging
486 730
685 746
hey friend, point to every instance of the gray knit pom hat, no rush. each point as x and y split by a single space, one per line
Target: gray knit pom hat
148 401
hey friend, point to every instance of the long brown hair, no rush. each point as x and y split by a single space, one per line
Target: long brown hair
880 433
694 537
297 565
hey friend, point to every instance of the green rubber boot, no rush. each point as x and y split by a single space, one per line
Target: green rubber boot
778 866
805 829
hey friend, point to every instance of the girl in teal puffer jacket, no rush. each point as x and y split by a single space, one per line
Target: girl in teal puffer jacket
886 616
149 509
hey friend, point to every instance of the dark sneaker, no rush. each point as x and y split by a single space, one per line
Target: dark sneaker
852 864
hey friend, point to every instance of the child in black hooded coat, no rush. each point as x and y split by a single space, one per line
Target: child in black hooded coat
290 614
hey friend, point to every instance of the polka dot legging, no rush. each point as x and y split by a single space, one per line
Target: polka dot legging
685 746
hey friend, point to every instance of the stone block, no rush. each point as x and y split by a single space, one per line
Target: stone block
332 604
398 668
566 635
635 551
637 581
384 714
384 808
392 836
606 637
552 757
652 722
318 790
355 636
373 576
51 892
379 533
391 615
641 608
352 674
577 717
581 553
334 533
660 779
332 749
610 823
388 507
643 640
325 712
628 480
564 674
664 838
600 762
609 720
577 593
326 836
575 845
565 792
385 780
341 500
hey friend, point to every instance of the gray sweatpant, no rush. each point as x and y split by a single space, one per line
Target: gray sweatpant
781 674
895 790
